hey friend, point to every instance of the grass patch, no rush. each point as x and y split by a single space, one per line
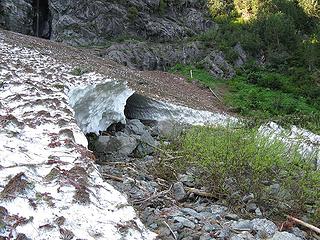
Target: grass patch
265 94
234 162
79 71
198 74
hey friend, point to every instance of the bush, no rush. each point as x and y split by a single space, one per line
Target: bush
133 13
234 162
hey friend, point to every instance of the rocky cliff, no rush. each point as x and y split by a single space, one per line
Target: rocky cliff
141 34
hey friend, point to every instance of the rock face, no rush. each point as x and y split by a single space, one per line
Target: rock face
154 24
82 22
17 16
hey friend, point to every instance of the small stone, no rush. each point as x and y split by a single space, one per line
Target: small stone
164 232
258 212
284 236
264 227
231 216
179 192
223 233
251 207
243 236
185 222
299 233
153 226
191 212
205 236
242 225
248 197
187 180
209 228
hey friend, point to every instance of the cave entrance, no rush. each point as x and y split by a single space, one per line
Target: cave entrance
41 18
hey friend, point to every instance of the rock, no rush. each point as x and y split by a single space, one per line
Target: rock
164 232
299 233
218 211
145 141
185 222
223 233
15 16
248 198
191 212
145 145
243 236
216 64
284 236
135 126
187 180
251 207
179 192
242 56
101 20
205 236
209 227
242 225
119 145
231 216
153 56
258 212
264 227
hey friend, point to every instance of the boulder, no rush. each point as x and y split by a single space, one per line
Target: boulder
217 65
114 146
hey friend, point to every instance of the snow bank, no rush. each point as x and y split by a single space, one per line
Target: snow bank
308 143
49 185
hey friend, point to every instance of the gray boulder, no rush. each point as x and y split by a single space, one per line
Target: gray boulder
145 141
264 228
217 65
179 192
113 146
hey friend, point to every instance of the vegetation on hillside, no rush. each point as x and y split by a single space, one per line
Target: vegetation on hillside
279 82
234 163
281 79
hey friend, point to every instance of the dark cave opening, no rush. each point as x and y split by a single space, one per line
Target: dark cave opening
41 19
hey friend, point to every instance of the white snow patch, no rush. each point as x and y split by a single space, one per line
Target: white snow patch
144 108
307 142
98 106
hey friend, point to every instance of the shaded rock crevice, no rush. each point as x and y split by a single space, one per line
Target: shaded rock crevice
42 19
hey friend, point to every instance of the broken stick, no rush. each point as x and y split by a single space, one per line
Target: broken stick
302 223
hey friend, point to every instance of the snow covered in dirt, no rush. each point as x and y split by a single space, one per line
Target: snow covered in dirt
307 142
49 185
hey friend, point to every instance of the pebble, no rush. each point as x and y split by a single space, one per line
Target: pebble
185 222
284 236
179 192
242 225
265 228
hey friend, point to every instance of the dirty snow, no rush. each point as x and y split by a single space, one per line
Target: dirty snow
39 134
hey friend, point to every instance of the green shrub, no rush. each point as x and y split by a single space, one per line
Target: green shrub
233 162
133 13
162 6
78 71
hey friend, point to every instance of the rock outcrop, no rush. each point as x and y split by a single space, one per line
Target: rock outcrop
140 34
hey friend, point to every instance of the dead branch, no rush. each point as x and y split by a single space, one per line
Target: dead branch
214 94
302 223
173 234
201 193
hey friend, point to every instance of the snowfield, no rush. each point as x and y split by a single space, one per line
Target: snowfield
50 186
